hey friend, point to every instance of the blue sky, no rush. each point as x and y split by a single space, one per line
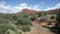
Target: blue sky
30 4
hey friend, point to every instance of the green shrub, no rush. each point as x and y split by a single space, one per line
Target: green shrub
56 29
24 21
39 33
7 17
23 15
14 17
43 19
34 17
25 28
5 27
9 31
19 32
3 20
52 17
39 14
49 22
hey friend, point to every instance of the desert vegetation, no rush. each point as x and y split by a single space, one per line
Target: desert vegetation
21 23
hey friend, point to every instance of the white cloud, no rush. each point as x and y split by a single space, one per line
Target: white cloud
52 8
4 8
2 4
21 6
57 6
9 9
36 7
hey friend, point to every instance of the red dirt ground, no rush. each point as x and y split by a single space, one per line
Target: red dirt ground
38 31
35 30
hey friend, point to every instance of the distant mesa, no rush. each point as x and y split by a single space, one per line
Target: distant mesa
28 11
